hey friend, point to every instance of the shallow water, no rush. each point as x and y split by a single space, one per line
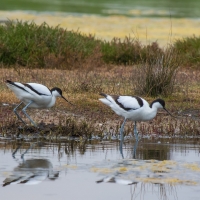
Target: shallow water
162 169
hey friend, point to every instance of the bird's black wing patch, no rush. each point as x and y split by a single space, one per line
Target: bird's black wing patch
139 100
31 88
13 83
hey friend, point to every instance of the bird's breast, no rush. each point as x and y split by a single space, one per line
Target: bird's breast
141 114
39 102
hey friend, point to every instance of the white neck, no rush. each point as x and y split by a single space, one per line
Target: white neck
53 101
151 113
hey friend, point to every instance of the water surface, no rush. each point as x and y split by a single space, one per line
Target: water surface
97 170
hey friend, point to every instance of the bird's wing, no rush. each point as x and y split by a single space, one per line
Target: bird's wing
129 102
13 85
35 88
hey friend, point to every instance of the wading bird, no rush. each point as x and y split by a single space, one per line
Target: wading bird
133 108
34 95
31 172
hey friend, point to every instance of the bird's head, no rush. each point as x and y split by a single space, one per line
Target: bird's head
160 103
57 92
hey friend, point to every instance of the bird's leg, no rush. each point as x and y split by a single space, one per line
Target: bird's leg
24 111
135 131
121 131
121 148
15 111
134 149
13 154
22 156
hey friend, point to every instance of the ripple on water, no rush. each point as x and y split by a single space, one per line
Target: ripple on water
68 165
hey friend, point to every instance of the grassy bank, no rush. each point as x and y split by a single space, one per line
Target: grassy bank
27 44
89 117
83 67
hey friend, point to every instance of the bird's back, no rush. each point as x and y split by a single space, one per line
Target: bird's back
37 88
130 107
32 88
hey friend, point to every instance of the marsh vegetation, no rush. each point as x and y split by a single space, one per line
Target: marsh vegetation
83 66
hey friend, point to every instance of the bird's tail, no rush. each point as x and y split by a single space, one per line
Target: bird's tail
105 100
9 82
103 94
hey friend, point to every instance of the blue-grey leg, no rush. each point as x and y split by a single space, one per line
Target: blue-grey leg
122 131
122 137
22 155
24 111
121 148
135 148
15 111
18 147
135 131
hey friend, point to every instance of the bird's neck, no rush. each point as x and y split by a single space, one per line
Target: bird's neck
53 101
151 113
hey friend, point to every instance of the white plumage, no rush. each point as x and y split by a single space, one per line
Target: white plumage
31 172
133 108
34 95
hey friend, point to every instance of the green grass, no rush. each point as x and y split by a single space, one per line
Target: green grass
41 46
189 50
27 44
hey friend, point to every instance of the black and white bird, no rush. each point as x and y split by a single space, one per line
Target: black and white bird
133 108
34 95
31 172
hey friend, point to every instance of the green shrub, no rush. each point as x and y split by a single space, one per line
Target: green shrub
28 44
189 49
42 46
121 52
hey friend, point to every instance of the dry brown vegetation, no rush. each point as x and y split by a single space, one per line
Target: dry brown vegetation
89 117
82 67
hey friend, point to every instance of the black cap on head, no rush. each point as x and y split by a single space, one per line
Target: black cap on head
161 101
60 92
57 89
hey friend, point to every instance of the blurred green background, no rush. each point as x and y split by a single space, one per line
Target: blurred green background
131 8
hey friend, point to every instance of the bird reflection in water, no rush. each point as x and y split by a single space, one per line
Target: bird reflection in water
31 171
133 152
114 178
138 189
